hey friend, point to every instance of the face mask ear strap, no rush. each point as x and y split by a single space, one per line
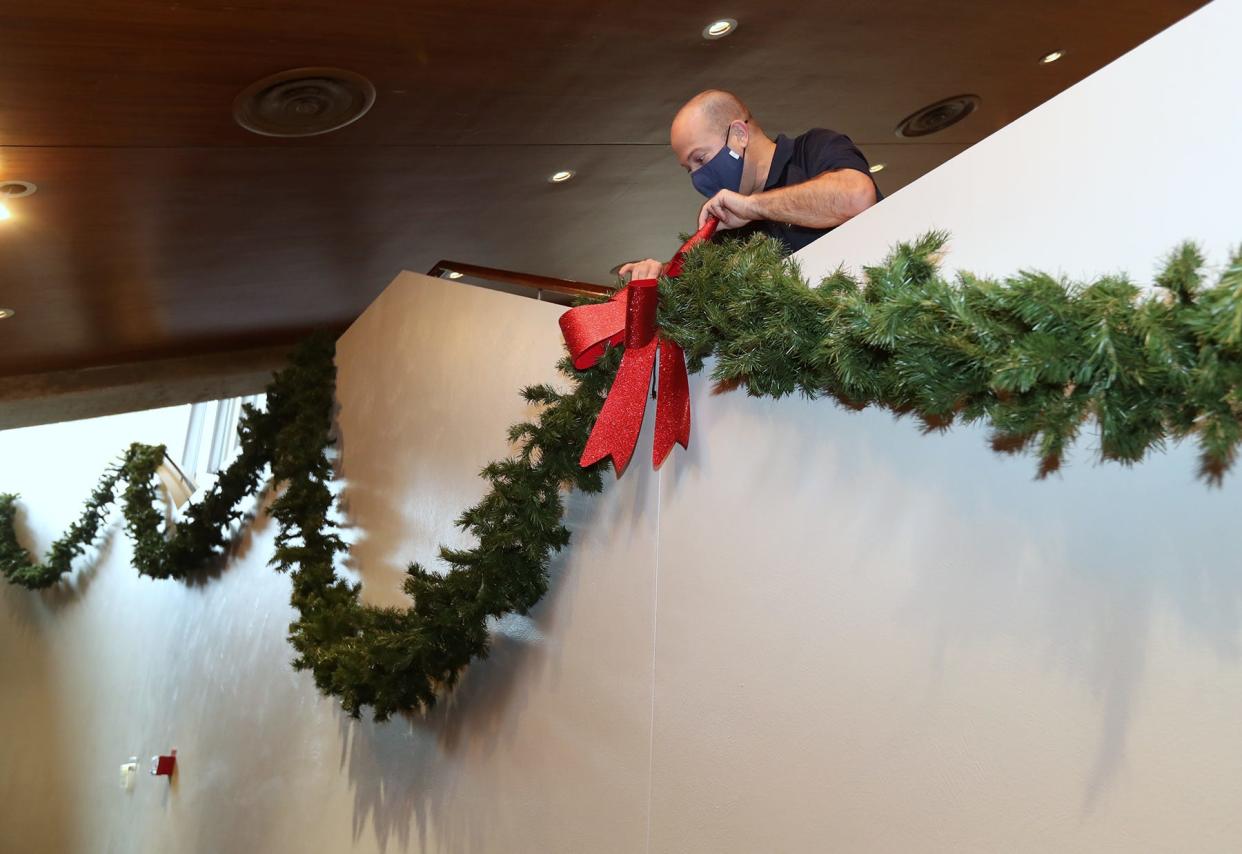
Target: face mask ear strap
729 133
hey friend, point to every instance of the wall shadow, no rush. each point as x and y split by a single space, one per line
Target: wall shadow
1089 574
415 777
1085 571
411 776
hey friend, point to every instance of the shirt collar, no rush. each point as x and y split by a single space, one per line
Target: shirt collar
780 159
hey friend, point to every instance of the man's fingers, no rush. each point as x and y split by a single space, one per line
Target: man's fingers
712 208
729 209
648 269
715 206
719 206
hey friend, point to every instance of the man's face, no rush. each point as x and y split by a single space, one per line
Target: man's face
694 141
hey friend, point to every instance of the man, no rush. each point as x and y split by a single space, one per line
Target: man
793 189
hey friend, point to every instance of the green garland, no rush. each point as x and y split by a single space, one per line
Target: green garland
396 659
1034 357
199 537
387 658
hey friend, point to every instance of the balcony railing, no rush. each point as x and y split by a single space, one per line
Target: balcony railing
540 287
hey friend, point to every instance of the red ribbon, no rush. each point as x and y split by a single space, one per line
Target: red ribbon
629 318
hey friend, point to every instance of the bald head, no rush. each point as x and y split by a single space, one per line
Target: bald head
715 107
701 125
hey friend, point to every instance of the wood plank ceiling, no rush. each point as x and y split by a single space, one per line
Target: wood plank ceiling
161 228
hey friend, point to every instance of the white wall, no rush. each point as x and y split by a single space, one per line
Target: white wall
1106 176
815 631
543 748
112 665
875 640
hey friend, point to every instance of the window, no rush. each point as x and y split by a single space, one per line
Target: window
207 451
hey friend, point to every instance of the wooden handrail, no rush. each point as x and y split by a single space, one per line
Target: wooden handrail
525 280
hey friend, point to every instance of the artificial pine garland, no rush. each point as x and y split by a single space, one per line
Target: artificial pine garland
1032 356
387 658
399 660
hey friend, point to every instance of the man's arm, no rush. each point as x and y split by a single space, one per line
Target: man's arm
824 201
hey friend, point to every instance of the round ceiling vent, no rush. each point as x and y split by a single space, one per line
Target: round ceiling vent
304 102
938 116
16 189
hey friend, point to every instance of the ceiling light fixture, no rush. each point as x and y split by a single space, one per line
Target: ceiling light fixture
1051 56
453 274
561 177
719 29
876 167
6 312
13 190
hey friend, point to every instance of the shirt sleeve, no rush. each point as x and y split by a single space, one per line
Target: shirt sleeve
826 150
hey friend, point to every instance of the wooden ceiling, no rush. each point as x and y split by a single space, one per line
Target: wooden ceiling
161 228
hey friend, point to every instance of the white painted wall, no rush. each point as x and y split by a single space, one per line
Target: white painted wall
544 747
79 690
1106 176
875 640
815 631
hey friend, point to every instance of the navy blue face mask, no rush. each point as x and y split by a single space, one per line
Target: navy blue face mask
722 172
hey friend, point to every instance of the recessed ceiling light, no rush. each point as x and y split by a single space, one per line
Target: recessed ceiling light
719 29
453 274
1051 56
561 177
876 167
13 190
6 312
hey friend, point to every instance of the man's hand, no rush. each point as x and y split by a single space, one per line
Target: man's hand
732 209
639 270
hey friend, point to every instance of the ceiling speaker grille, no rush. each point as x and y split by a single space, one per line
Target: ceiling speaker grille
16 189
304 102
938 116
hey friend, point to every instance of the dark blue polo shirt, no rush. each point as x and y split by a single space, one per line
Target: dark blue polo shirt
815 152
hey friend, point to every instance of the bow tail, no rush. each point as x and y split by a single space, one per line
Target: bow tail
616 429
673 403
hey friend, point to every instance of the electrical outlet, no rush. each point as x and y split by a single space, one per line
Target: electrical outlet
129 773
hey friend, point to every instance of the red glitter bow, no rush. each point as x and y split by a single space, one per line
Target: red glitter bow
629 318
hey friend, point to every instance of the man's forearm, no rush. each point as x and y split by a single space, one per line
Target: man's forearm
823 202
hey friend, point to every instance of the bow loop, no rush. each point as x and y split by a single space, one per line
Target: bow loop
589 329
